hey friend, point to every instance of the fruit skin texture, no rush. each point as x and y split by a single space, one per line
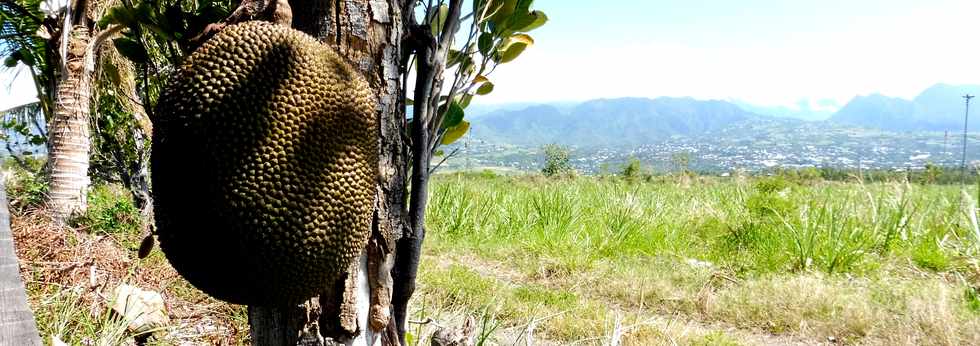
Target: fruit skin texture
264 162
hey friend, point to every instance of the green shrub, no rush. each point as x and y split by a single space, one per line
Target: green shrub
26 188
771 185
556 161
110 211
632 169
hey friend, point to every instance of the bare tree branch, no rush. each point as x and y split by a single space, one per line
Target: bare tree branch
96 44
444 159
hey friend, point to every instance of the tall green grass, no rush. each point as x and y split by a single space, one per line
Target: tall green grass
589 251
751 227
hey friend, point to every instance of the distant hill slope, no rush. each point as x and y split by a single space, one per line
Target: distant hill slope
609 122
938 108
804 109
878 111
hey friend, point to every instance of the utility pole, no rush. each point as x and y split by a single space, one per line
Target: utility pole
966 121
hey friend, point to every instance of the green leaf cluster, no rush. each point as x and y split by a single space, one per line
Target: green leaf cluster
162 29
498 35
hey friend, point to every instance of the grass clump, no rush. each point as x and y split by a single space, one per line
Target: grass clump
780 260
26 188
110 211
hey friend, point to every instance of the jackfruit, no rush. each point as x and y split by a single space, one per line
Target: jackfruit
264 161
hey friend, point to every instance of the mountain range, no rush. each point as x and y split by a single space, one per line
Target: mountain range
938 108
635 121
609 122
804 109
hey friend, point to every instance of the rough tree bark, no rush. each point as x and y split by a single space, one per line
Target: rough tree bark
69 140
357 311
68 133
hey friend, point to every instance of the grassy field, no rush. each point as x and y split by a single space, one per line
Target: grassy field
704 261
597 261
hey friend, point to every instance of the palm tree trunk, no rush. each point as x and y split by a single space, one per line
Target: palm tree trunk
68 134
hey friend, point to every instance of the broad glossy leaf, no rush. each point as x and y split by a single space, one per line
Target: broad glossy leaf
452 58
484 89
513 46
453 116
531 21
455 133
464 101
501 9
485 43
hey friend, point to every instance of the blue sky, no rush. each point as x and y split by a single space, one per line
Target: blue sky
769 52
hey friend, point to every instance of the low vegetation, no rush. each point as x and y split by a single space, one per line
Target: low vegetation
682 259
742 260
70 272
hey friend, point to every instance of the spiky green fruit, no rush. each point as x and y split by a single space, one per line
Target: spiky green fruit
264 162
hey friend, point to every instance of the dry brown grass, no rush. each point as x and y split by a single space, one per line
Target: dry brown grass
927 311
55 259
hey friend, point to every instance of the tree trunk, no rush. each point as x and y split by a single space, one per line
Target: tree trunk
357 311
68 134
136 173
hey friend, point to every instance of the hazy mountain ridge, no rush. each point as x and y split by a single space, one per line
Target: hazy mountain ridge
869 131
633 121
610 122
938 108
804 109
